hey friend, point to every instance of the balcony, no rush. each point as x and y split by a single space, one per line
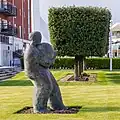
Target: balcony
4 39
8 30
8 9
115 34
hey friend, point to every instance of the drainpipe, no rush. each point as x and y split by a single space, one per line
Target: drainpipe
22 19
13 2
29 14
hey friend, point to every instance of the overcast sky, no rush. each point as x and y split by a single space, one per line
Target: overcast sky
113 5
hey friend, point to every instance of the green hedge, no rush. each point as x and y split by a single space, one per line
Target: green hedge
80 31
90 63
102 63
64 63
97 63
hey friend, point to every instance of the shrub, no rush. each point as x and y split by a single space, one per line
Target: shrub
90 63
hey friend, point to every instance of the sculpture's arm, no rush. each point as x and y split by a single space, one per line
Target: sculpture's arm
41 59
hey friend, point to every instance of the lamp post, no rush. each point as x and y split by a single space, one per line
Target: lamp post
13 22
110 46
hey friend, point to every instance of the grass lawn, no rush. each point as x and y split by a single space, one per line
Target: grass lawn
99 100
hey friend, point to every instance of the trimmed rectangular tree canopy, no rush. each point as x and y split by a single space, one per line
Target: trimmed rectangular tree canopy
79 30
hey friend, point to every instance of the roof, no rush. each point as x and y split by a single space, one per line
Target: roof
115 27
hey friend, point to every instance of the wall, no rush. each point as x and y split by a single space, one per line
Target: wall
38 23
0 55
16 43
21 20
6 54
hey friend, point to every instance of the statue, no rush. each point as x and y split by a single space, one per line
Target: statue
38 58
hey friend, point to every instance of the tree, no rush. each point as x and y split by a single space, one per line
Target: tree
79 32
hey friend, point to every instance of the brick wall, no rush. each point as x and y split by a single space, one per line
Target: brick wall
21 23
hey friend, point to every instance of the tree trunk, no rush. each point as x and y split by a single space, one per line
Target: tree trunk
80 65
76 72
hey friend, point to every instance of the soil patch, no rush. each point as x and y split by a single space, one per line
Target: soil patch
70 110
84 77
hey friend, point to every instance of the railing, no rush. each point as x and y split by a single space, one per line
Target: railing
9 30
4 39
116 36
8 9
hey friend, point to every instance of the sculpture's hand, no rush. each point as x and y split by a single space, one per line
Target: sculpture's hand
45 55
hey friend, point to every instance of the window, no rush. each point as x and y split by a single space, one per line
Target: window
5 24
24 14
115 54
16 47
20 12
0 23
20 29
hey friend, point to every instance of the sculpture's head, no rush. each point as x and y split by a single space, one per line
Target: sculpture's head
35 37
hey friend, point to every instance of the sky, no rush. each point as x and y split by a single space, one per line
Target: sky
112 5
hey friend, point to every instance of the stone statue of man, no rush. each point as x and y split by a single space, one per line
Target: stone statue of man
38 58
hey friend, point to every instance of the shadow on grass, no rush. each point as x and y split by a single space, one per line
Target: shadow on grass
113 77
29 83
16 83
101 109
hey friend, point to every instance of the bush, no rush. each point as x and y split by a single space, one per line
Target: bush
97 63
62 63
90 63
116 63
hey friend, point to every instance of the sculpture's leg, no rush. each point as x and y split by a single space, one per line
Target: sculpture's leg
40 99
43 89
55 96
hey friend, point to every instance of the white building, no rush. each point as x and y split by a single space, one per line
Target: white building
9 45
116 39
15 22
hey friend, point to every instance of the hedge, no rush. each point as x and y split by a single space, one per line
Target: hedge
79 31
90 63
63 63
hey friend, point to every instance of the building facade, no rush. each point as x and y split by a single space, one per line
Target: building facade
14 28
38 23
116 39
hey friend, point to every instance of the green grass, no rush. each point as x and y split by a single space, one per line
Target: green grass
22 80
99 100
104 77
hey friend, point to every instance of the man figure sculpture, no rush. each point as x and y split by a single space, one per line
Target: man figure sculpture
38 58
